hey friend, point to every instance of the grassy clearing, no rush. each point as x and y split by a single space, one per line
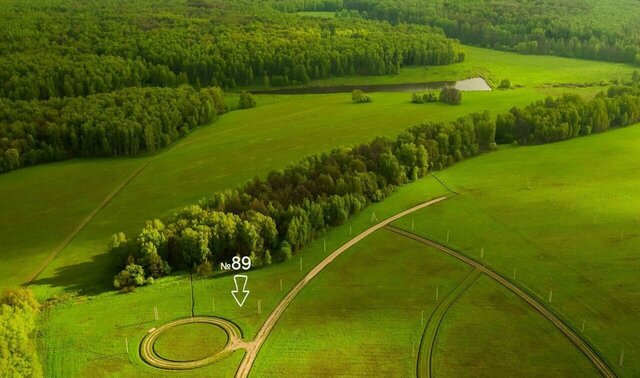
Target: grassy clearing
240 145
190 342
566 217
524 70
490 332
45 203
362 315
79 334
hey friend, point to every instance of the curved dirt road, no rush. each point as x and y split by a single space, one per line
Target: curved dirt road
428 341
584 347
270 322
149 355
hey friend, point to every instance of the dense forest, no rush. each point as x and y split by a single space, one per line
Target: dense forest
106 78
268 219
590 29
122 123
58 49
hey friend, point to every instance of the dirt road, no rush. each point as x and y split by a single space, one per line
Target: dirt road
584 347
428 341
270 322
43 265
149 355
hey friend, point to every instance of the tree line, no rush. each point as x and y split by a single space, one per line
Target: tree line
128 122
579 29
569 116
78 49
18 353
269 219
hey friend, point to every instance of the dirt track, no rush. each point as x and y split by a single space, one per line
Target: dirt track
270 322
82 224
149 355
584 347
428 341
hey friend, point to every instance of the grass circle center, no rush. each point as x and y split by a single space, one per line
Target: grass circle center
190 342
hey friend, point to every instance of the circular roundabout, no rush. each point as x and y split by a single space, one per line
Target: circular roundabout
217 337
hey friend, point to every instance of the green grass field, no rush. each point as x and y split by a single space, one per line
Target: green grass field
531 208
489 332
280 130
87 333
524 70
190 342
242 144
352 321
563 229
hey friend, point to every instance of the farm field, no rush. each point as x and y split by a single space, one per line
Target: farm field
187 166
281 130
280 121
374 318
435 219
534 213
388 306
177 343
74 343
514 338
330 188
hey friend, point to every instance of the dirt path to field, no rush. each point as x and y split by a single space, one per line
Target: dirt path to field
84 222
581 344
270 322
428 341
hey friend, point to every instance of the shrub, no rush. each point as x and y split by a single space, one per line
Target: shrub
204 268
285 251
132 275
505 84
359 96
451 96
246 100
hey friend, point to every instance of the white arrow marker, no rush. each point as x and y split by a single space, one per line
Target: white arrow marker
240 281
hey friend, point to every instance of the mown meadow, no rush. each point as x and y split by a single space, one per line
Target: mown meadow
564 218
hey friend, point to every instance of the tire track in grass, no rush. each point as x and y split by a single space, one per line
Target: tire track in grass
597 361
84 222
428 341
278 311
